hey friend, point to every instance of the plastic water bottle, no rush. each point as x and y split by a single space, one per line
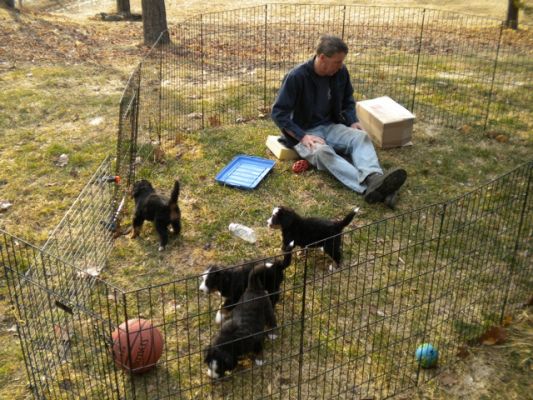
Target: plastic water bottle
242 231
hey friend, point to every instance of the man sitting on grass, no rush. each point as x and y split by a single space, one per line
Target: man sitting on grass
315 110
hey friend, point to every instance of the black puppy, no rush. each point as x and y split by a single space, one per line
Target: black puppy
244 333
232 282
307 231
151 206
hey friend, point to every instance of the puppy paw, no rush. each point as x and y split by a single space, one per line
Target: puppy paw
268 265
219 318
161 248
272 336
259 362
135 231
331 268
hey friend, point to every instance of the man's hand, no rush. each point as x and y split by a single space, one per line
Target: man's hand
357 125
311 141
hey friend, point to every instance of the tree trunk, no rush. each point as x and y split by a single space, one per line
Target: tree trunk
154 21
123 7
512 15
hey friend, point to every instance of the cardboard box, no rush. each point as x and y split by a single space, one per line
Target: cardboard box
279 150
388 123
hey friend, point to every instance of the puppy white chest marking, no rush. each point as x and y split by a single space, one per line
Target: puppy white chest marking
211 370
270 221
219 318
203 287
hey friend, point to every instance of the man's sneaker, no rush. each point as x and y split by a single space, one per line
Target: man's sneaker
380 186
391 200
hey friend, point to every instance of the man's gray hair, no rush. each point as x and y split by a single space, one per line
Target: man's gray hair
330 45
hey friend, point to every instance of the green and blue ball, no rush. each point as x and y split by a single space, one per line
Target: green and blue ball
427 355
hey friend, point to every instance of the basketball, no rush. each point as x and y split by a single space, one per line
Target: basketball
145 344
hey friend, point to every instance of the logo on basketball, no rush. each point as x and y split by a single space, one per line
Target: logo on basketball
137 345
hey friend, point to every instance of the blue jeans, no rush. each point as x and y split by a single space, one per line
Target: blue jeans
353 143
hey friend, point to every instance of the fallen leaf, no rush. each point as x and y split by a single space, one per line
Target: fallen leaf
463 352
447 379
465 129
214 120
529 302
5 205
507 320
93 271
491 134
62 160
194 115
502 138
61 333
495 335
96 121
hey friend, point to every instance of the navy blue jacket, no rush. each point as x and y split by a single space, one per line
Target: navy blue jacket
293 108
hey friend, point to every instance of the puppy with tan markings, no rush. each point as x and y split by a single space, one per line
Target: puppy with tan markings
232 282
244 333
307 231
152 206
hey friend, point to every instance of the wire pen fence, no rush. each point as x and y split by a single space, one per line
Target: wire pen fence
441 274
448 68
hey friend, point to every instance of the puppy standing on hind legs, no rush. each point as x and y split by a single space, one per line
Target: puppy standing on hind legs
245 332
231 283
151 206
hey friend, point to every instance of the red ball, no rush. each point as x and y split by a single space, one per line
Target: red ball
145 345
300 166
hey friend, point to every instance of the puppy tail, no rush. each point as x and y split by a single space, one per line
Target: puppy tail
346 220
175 193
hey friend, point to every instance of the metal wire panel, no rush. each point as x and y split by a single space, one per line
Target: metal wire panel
84 237
442 274
127 135
64 328
226 67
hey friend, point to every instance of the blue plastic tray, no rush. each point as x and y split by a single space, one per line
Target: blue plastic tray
245 172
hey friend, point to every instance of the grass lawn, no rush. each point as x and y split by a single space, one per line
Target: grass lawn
61 78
